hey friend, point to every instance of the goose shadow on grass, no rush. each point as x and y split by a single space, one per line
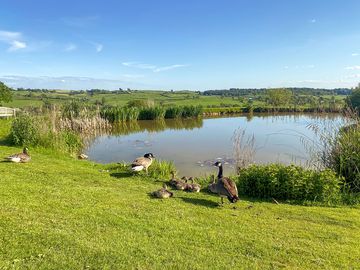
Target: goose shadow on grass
121 174
200 202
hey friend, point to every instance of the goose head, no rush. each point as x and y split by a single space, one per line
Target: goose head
218 164
149 155
25 150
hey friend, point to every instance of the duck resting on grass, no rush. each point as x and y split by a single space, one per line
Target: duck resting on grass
224 186
142 163
20 157
162 193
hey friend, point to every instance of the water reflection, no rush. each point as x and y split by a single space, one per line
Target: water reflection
193 144
131 127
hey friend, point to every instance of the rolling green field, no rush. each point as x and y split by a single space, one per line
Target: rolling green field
165 98
57 212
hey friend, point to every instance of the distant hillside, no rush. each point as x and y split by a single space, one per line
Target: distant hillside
297 90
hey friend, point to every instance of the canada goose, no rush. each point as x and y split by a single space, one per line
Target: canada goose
142 163
83 156
212 187
162 193
225 187
20 157
193 187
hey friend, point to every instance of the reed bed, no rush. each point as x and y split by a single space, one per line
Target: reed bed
122 114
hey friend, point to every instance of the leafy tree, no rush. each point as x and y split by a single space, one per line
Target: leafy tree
354 99
279 97
5 93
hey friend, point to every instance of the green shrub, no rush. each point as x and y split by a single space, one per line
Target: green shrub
25 131
72 141
161 169
35 131
289 183
345 157
354 99
72 109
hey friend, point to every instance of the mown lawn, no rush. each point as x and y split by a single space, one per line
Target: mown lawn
60 213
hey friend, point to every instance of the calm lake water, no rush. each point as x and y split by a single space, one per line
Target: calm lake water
194 144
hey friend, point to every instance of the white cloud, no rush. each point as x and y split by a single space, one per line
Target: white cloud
98 46
139 65
353 76
9 36
65 82
70 47
313 20
13 39
167 68
300 67
16 45
355 54
132 76
353 68
154 68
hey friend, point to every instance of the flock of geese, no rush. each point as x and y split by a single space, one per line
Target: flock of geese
224 186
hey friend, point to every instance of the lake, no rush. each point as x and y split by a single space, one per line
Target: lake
194 144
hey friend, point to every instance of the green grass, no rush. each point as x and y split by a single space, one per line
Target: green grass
61 213
162 98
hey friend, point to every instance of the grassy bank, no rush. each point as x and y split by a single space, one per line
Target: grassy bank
61 213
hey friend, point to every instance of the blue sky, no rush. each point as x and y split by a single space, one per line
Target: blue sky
195 45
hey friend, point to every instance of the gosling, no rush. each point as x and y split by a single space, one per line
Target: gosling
162 193
192 187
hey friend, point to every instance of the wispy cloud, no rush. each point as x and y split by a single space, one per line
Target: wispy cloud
355 54
353 68
80 21
154 68
70 47
139 65
132 76
16 45
66 82
312 21
98 46
13 39
168 68
300 67
353 76
8 35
